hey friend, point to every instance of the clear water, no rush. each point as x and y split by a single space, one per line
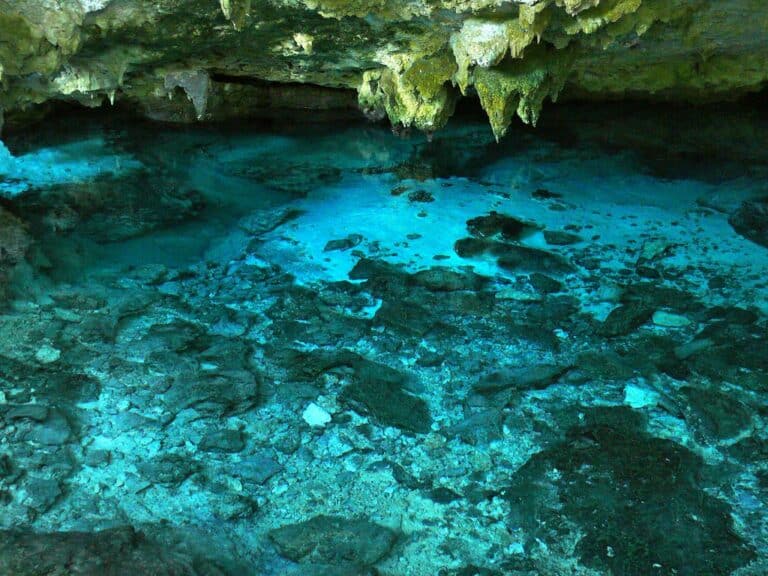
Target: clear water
327 349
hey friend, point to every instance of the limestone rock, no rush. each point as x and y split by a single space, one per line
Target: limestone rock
315 416
47 354
560 237
625 319
14 238
255 470
480 428
223 441
535 377
217 393
609 464
171 469
407 59
334 540
119 552
54 431
669 320
751 221
497 224
382 392
42 493
515 258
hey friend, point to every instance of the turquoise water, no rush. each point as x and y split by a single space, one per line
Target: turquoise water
323 348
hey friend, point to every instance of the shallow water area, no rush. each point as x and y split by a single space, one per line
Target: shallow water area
330 349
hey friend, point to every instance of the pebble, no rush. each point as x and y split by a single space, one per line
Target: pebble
47 354
518 295
170 288
690 348
669 320
66 315
316 416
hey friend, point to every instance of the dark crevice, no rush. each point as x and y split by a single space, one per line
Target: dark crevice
267 84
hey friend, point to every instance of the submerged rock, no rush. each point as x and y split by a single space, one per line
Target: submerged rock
42 493
442 279
263 221
717 414
470 247
612 481
114 552
382 392
669 320
55 430
507 227
218 394
514 257
625 319
544 194
223 441
171 469
606 365
15 240
422 196
480 428
544 284
561 238
534 377
334 540
47 354
751 221
524 259
343 243
285 175
315 416
112 209
256 470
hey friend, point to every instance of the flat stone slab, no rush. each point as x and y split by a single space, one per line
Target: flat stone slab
116 552
334 540
381 392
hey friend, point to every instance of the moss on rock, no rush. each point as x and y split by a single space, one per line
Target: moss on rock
405 57
521 86
419 95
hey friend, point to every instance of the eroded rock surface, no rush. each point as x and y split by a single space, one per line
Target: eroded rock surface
334 540
117 552
184 60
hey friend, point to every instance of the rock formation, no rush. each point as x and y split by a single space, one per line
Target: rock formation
409 59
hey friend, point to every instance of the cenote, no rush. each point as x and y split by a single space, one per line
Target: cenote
324 348
307 344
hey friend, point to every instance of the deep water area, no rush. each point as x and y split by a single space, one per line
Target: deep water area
323 348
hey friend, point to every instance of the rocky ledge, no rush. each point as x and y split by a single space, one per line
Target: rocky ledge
407 59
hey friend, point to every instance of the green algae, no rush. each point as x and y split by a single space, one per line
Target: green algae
419 96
